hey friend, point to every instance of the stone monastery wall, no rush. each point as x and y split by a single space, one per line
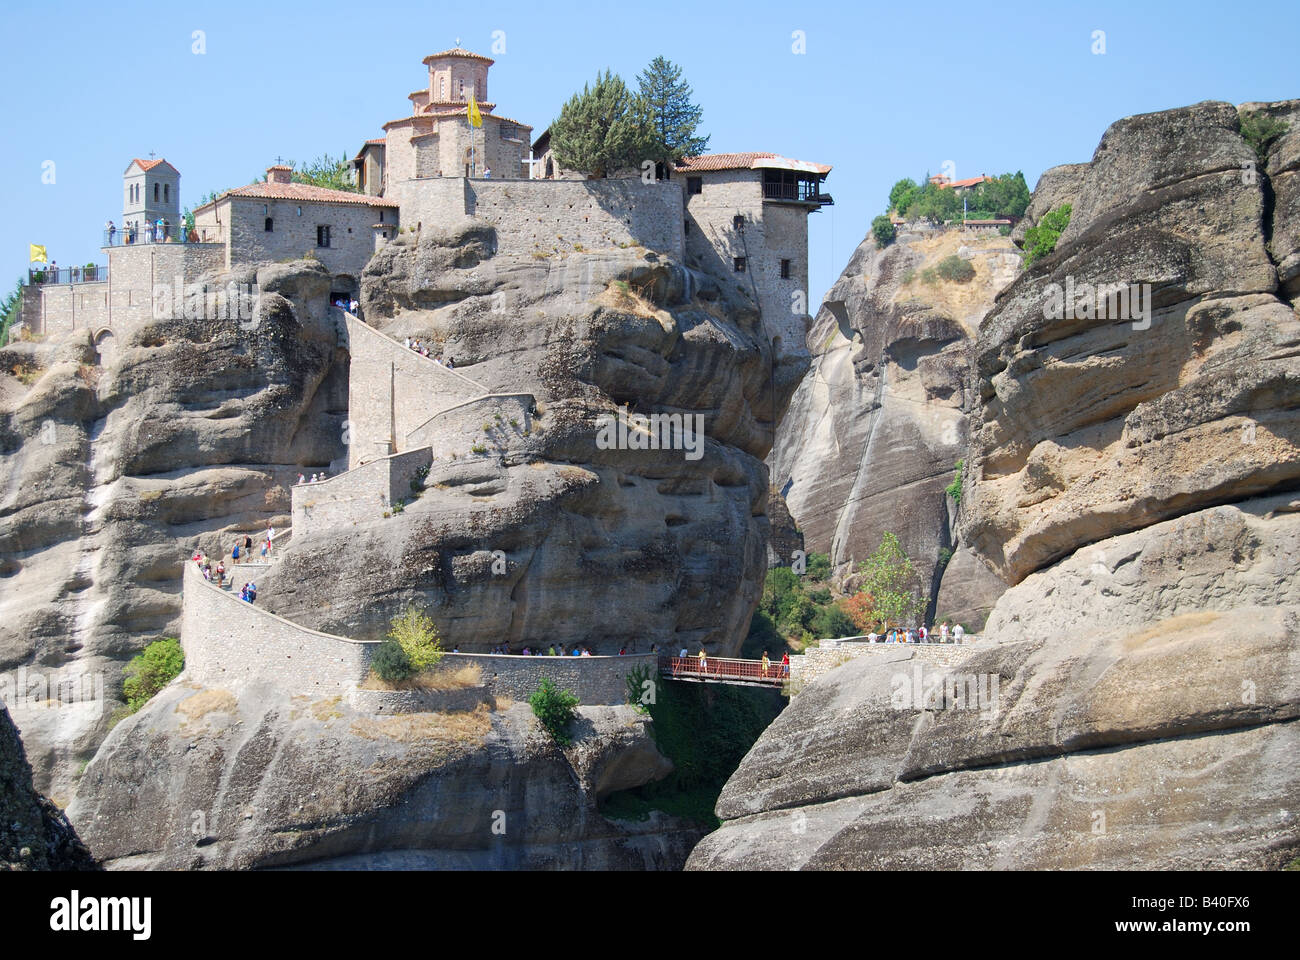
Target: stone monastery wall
226 639
362 493
546 216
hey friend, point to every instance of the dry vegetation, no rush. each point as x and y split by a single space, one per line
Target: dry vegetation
965 302
444 678
466 727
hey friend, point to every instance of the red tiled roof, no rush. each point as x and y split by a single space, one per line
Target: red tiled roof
148 164
306 192
457 52
736 161
968 182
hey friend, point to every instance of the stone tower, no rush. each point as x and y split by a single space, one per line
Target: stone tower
151 190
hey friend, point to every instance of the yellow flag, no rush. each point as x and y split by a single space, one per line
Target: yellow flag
475 118
38 254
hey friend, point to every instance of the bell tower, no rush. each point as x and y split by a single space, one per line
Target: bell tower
151 191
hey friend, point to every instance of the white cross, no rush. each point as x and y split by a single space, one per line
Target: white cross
530 160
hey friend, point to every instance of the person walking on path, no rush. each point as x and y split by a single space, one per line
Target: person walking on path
785 664
704 663
248 548
957 633
766 663
221 573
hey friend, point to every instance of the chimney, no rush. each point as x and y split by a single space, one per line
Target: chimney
280 173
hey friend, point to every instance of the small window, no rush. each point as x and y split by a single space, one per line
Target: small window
270 225
785 269
265 211
322 236
300 211
155 193
739 263
687 227
167 193
737 222
694 185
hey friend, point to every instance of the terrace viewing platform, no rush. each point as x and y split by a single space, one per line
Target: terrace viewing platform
90 273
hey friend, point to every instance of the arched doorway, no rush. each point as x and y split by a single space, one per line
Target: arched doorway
105 346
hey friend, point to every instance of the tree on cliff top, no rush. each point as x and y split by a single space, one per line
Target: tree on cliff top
604 130
326 171
674 116
10 311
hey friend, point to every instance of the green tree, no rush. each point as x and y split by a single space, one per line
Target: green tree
11 310
554 708
882 228
418 637
1260 131
674 116
1040 240
889 581
934 204
390 662
604 130
150 671
954 269
334 173
901 194
832 622
1004 196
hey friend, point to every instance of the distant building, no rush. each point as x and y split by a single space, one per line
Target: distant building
959 186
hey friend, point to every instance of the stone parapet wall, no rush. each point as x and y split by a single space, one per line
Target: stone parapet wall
362 493
393 390
226 639
495 421
417 701
593 680
545 216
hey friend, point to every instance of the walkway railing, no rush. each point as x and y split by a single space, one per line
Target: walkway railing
723 670
91 273
167 233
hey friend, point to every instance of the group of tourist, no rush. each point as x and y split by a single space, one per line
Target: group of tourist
351 306
315 478
921 634
218 573
502 649
242 552
424 350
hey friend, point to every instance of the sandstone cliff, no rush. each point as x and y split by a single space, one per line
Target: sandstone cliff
34 833
113 473
247 778
1136 482
876 428
603 547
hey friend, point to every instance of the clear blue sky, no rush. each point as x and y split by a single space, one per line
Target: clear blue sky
883 90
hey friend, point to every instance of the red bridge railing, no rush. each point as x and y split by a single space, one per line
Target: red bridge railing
724 669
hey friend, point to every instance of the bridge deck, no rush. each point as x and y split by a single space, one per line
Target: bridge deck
724 670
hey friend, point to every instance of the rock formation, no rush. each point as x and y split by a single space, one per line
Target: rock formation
113 472
875 430
34 833
246 777
1136 482
604 547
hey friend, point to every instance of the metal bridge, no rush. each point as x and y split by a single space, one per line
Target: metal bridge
749 673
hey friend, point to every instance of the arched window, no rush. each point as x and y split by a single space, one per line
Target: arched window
167 192
442 88
155 193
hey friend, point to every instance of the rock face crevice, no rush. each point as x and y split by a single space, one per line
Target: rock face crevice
1135 481
875 430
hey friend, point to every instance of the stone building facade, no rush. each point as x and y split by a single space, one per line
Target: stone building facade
747 215
283 220
436 139
151 191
